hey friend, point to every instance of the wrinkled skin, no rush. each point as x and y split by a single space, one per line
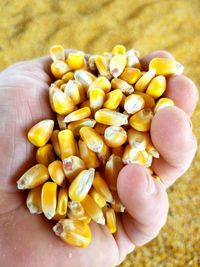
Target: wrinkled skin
27 240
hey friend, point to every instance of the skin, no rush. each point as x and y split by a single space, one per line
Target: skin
27 240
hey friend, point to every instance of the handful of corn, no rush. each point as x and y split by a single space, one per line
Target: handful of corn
104 106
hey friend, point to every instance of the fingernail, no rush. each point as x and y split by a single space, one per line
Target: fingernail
151 188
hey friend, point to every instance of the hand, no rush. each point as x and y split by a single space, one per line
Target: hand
27 240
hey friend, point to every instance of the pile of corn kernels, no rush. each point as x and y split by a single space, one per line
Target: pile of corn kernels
104 106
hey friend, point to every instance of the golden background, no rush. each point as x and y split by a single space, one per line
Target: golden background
29 27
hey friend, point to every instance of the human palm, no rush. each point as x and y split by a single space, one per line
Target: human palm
27 240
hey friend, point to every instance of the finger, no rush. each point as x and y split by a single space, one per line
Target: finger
172 136
183 92
146 203
159 53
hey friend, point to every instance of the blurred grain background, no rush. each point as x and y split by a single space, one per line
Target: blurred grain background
29 28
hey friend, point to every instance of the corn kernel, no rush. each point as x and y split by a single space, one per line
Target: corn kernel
116 204
110 117
102 66
130 75
57 52
157 86
75 60
49 199
66 143
147 158
141 121
152 150
118 151
78 114
56 172
138 140
119 49
61 209
76 211
133 103
52 89
77 125
112 168
101 83
73 232
132 59
111 220
93 210
58 83
91 63
100 128
33 200
104 154
41 132
88 156
166 66
144 81
84 77
115 136
92 139
62 103
122 85
101 187
55 143
45 155
34 177
72 91
148 100
59 68
98 198
62 87
117 64
72 166
68 76
96 97
163 103
132 155
60 119
81 185
81 91
149 170
113 99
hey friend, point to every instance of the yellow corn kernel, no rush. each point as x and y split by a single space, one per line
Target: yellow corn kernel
113 99
115 136
122 101
60 119
59 68
77 125
57 52
111 117
148 100
96 97
104 154
81 91
33 200
166 66
73 232
100 128
78 114
132 155
85 103
66 143
81 185
122 85
56 172
84 77
45 155
116 203
98 198
152 150
62 87
34 177
93 210
58 83
101 83
91 63
141 121
132 59
77 212
133 103
102 66
55 143
138 140
72 91
147 158
61 209
88 156
72 166
49 199
111 222
112 168
92 139
117 64
62 103
157 86
101 187
144 81
68 76
119 49
76 60
118 151
40 133
52 89
163 103
130 75
149 170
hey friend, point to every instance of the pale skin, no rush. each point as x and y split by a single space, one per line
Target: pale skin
27 240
